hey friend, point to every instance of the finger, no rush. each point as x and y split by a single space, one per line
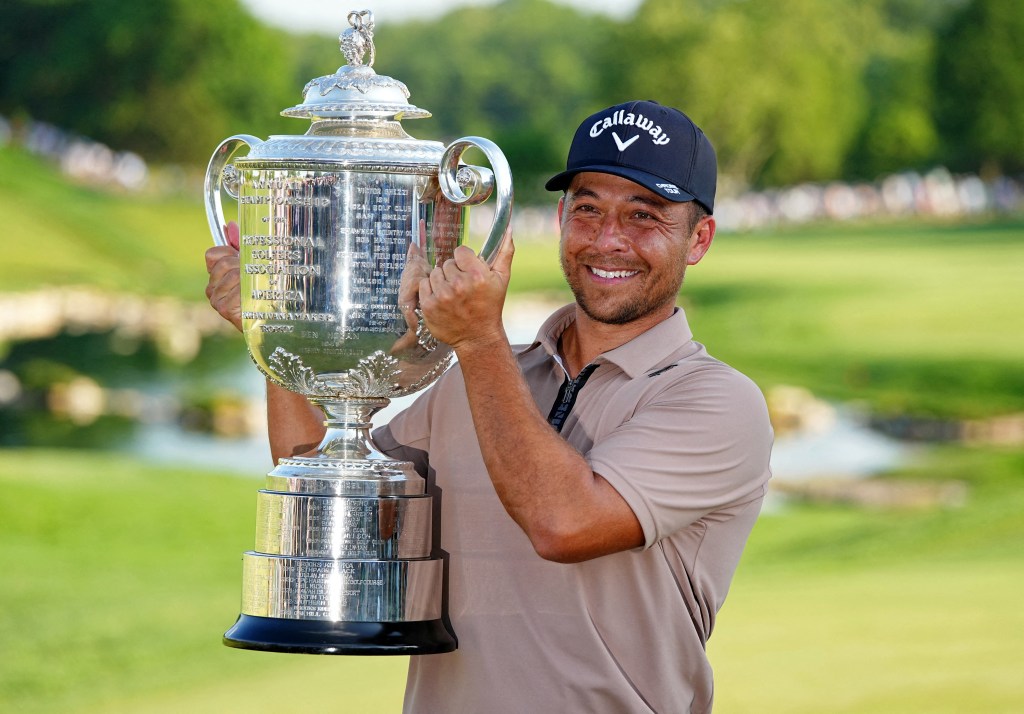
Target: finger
502 262
426 291
467 260
223 267
218 253
415 251
233 234
437 279
450 269
228 285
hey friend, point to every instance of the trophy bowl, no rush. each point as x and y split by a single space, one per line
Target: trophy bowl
337 227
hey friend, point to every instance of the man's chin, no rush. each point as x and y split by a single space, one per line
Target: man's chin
613 314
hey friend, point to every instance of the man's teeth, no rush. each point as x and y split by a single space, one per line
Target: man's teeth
612 273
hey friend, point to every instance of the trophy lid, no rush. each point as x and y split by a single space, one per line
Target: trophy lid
356 92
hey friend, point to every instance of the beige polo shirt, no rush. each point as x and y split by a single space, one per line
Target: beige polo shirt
686 440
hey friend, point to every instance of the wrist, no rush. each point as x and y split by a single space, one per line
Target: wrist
489 345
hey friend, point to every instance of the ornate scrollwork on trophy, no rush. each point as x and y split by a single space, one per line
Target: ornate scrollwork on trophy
230 180
375 376
361 78
433 373
312 147
293 374
355 42
356 90
423 337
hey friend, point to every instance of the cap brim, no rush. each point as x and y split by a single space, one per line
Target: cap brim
664 188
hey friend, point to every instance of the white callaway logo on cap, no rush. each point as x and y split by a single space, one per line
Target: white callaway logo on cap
621 118
623 145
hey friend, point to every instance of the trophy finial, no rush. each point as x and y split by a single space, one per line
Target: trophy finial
356 91
358 39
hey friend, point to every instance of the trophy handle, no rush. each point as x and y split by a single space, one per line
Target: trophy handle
220 174
455 180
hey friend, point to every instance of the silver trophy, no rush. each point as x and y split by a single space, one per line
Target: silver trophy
337 228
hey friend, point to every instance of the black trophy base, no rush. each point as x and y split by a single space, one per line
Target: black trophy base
272 634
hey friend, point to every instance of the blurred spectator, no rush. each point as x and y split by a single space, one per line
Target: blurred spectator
936 193
82 159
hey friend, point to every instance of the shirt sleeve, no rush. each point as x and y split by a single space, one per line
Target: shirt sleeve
700 444
406 436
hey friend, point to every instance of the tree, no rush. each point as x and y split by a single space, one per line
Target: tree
777 86
167 78
899 130
979 80
510 72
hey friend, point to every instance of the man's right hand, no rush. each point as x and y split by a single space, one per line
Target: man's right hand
223 287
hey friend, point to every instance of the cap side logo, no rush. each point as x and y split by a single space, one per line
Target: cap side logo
623 145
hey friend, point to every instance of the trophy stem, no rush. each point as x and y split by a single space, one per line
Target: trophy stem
347 462
348 424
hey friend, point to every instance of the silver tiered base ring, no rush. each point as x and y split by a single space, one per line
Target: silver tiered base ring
319 606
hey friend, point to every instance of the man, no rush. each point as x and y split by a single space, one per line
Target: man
598 485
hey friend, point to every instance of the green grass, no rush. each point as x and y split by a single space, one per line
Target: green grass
919 318
988 528
911 638
60 233
119 579
847 610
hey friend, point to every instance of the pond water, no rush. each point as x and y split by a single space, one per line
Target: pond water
846 449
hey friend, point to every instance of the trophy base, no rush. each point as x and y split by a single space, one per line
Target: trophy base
272 634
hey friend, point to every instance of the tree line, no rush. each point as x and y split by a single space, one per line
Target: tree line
788 90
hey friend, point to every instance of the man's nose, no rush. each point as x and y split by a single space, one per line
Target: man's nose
610 235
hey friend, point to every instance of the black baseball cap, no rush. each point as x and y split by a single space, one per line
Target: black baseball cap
656 146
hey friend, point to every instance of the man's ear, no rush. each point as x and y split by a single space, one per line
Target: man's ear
561 206
700 240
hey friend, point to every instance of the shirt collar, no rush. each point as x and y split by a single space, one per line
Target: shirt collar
636 357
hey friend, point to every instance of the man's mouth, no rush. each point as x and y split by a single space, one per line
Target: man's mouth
612 274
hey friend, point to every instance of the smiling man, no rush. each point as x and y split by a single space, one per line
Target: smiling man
599 484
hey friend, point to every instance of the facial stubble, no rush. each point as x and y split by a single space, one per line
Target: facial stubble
641 304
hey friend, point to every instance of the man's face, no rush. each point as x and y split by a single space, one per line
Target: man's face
624 249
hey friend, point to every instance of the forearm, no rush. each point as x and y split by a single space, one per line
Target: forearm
295 426
569 512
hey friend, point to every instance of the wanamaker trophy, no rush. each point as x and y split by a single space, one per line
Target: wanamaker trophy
337 226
